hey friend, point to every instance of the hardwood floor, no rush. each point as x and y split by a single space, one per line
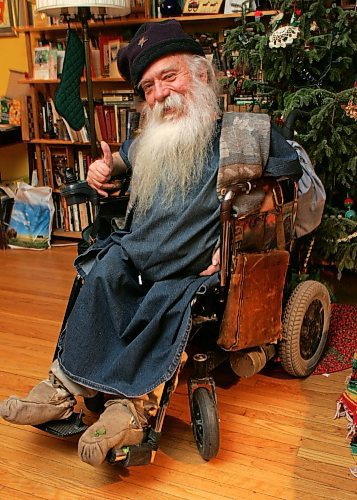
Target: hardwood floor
278 436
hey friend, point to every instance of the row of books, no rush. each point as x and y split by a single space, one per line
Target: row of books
115 117
59 162
115 123
48 62
72 217
54 126
54 163
103 54
49 57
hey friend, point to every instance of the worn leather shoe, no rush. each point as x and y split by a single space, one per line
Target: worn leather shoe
119 425
45 402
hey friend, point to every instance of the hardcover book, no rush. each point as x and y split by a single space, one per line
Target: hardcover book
104 53
113 47
45 63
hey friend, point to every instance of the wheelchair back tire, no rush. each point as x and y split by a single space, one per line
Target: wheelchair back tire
305 328
205 423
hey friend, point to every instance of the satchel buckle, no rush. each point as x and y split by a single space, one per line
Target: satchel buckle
278 196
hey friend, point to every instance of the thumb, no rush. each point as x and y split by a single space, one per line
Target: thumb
107 155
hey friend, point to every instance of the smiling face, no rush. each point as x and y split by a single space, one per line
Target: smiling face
167 75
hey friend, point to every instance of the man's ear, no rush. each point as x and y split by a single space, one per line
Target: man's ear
204 75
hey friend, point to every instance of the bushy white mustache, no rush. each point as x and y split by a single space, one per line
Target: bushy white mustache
173 102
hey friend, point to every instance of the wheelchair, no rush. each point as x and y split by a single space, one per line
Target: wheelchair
264 307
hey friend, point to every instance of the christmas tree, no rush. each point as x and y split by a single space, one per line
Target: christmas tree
304 57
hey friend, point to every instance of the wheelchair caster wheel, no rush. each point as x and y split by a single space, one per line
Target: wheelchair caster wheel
305 326
205 424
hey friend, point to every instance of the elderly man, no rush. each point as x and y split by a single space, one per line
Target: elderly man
128 329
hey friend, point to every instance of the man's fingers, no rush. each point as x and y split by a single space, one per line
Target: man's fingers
100 186
107 155
210 270
216 258
102 193
99 175
109 187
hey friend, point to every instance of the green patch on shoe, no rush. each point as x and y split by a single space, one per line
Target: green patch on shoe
100 432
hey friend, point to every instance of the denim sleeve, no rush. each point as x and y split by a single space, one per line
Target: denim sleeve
124 152
283 159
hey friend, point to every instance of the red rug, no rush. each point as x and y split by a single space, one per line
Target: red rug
342 340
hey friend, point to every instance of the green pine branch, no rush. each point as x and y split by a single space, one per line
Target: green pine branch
316 73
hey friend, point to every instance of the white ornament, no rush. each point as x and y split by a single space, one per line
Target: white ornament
283 36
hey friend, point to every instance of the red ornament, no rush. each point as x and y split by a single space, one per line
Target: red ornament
280 121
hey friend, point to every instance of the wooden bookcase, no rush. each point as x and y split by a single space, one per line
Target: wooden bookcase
43 147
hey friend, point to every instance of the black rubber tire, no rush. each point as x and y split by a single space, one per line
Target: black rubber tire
205 423
305 328
95 404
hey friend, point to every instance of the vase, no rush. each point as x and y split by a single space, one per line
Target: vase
170 8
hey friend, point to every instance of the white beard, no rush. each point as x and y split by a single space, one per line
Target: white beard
172 149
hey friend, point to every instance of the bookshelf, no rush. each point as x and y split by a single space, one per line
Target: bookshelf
45 146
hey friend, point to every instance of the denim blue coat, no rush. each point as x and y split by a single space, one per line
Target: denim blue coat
131 320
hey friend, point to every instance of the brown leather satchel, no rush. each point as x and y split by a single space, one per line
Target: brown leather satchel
253 310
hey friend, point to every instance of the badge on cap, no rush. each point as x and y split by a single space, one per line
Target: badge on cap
142 41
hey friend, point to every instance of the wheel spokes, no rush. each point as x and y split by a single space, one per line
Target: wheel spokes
312 329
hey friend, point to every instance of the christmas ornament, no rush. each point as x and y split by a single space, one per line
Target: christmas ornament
314 26
283 36
295 21
275 21
258 14
351 108
350 213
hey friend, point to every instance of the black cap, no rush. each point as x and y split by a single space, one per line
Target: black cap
150 42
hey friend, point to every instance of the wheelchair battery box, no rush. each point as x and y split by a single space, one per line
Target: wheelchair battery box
252 315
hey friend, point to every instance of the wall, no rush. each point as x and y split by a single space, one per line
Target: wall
13 159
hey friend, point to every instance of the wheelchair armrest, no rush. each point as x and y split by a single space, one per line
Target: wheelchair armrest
79 192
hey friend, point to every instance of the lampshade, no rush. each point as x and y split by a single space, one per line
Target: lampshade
97 7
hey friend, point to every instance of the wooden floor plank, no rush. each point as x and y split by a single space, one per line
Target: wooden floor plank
278 436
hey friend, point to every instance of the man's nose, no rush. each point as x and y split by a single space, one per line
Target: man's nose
161 91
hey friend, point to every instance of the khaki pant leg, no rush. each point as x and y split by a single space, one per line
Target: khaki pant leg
72 387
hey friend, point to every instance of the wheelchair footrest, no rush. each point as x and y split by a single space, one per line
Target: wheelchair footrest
70 426
141 454
131 455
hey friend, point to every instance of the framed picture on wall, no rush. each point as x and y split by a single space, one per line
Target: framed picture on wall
6 18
